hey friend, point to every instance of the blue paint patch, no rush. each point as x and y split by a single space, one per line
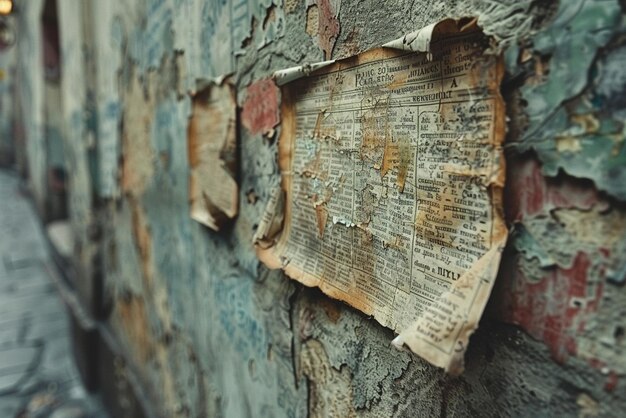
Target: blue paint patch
153 40
571 43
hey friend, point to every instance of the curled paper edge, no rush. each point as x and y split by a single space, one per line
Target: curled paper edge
203 83
420 40
272 222
487 266
282 77
417 41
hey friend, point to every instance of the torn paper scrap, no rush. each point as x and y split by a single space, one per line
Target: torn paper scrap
272 221
212 150
392 175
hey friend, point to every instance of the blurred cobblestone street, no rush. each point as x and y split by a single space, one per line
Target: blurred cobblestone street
38 377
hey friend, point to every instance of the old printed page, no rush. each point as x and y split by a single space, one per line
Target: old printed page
212 149
392 175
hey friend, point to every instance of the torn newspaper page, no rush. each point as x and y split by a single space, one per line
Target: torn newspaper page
392 175
212 149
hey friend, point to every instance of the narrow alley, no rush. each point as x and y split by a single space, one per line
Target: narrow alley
38 377
320 208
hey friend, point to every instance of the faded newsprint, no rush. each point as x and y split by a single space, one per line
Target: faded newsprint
392 175
212 149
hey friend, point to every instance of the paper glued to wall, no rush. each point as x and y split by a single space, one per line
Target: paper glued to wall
212 150
392 175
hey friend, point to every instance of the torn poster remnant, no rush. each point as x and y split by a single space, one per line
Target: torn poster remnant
212 149
392 174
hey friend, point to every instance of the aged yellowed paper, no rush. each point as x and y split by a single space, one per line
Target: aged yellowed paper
392 174
212 149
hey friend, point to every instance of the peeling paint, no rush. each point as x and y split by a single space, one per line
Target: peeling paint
569 240
587 145
259 112
571 42
322 23
138 154
134 320
214 334
329 389
312 20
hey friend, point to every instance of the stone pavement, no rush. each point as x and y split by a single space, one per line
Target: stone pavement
38 378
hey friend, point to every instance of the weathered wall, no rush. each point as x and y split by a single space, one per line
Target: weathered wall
210 332
30 95
7 83
77 86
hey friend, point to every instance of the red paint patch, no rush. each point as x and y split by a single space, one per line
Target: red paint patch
555 309
260 109
328 27
556 306
528 192
596 364
611 382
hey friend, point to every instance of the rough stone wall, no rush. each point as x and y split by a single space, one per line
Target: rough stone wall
79 140
7 83
210 332
30 95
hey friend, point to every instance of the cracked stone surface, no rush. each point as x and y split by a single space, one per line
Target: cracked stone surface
38 377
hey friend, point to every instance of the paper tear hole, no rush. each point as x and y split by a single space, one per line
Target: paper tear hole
618 333
284 261
252 196
577 303
252 367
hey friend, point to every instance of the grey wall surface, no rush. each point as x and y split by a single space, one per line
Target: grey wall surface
211 332
7 83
